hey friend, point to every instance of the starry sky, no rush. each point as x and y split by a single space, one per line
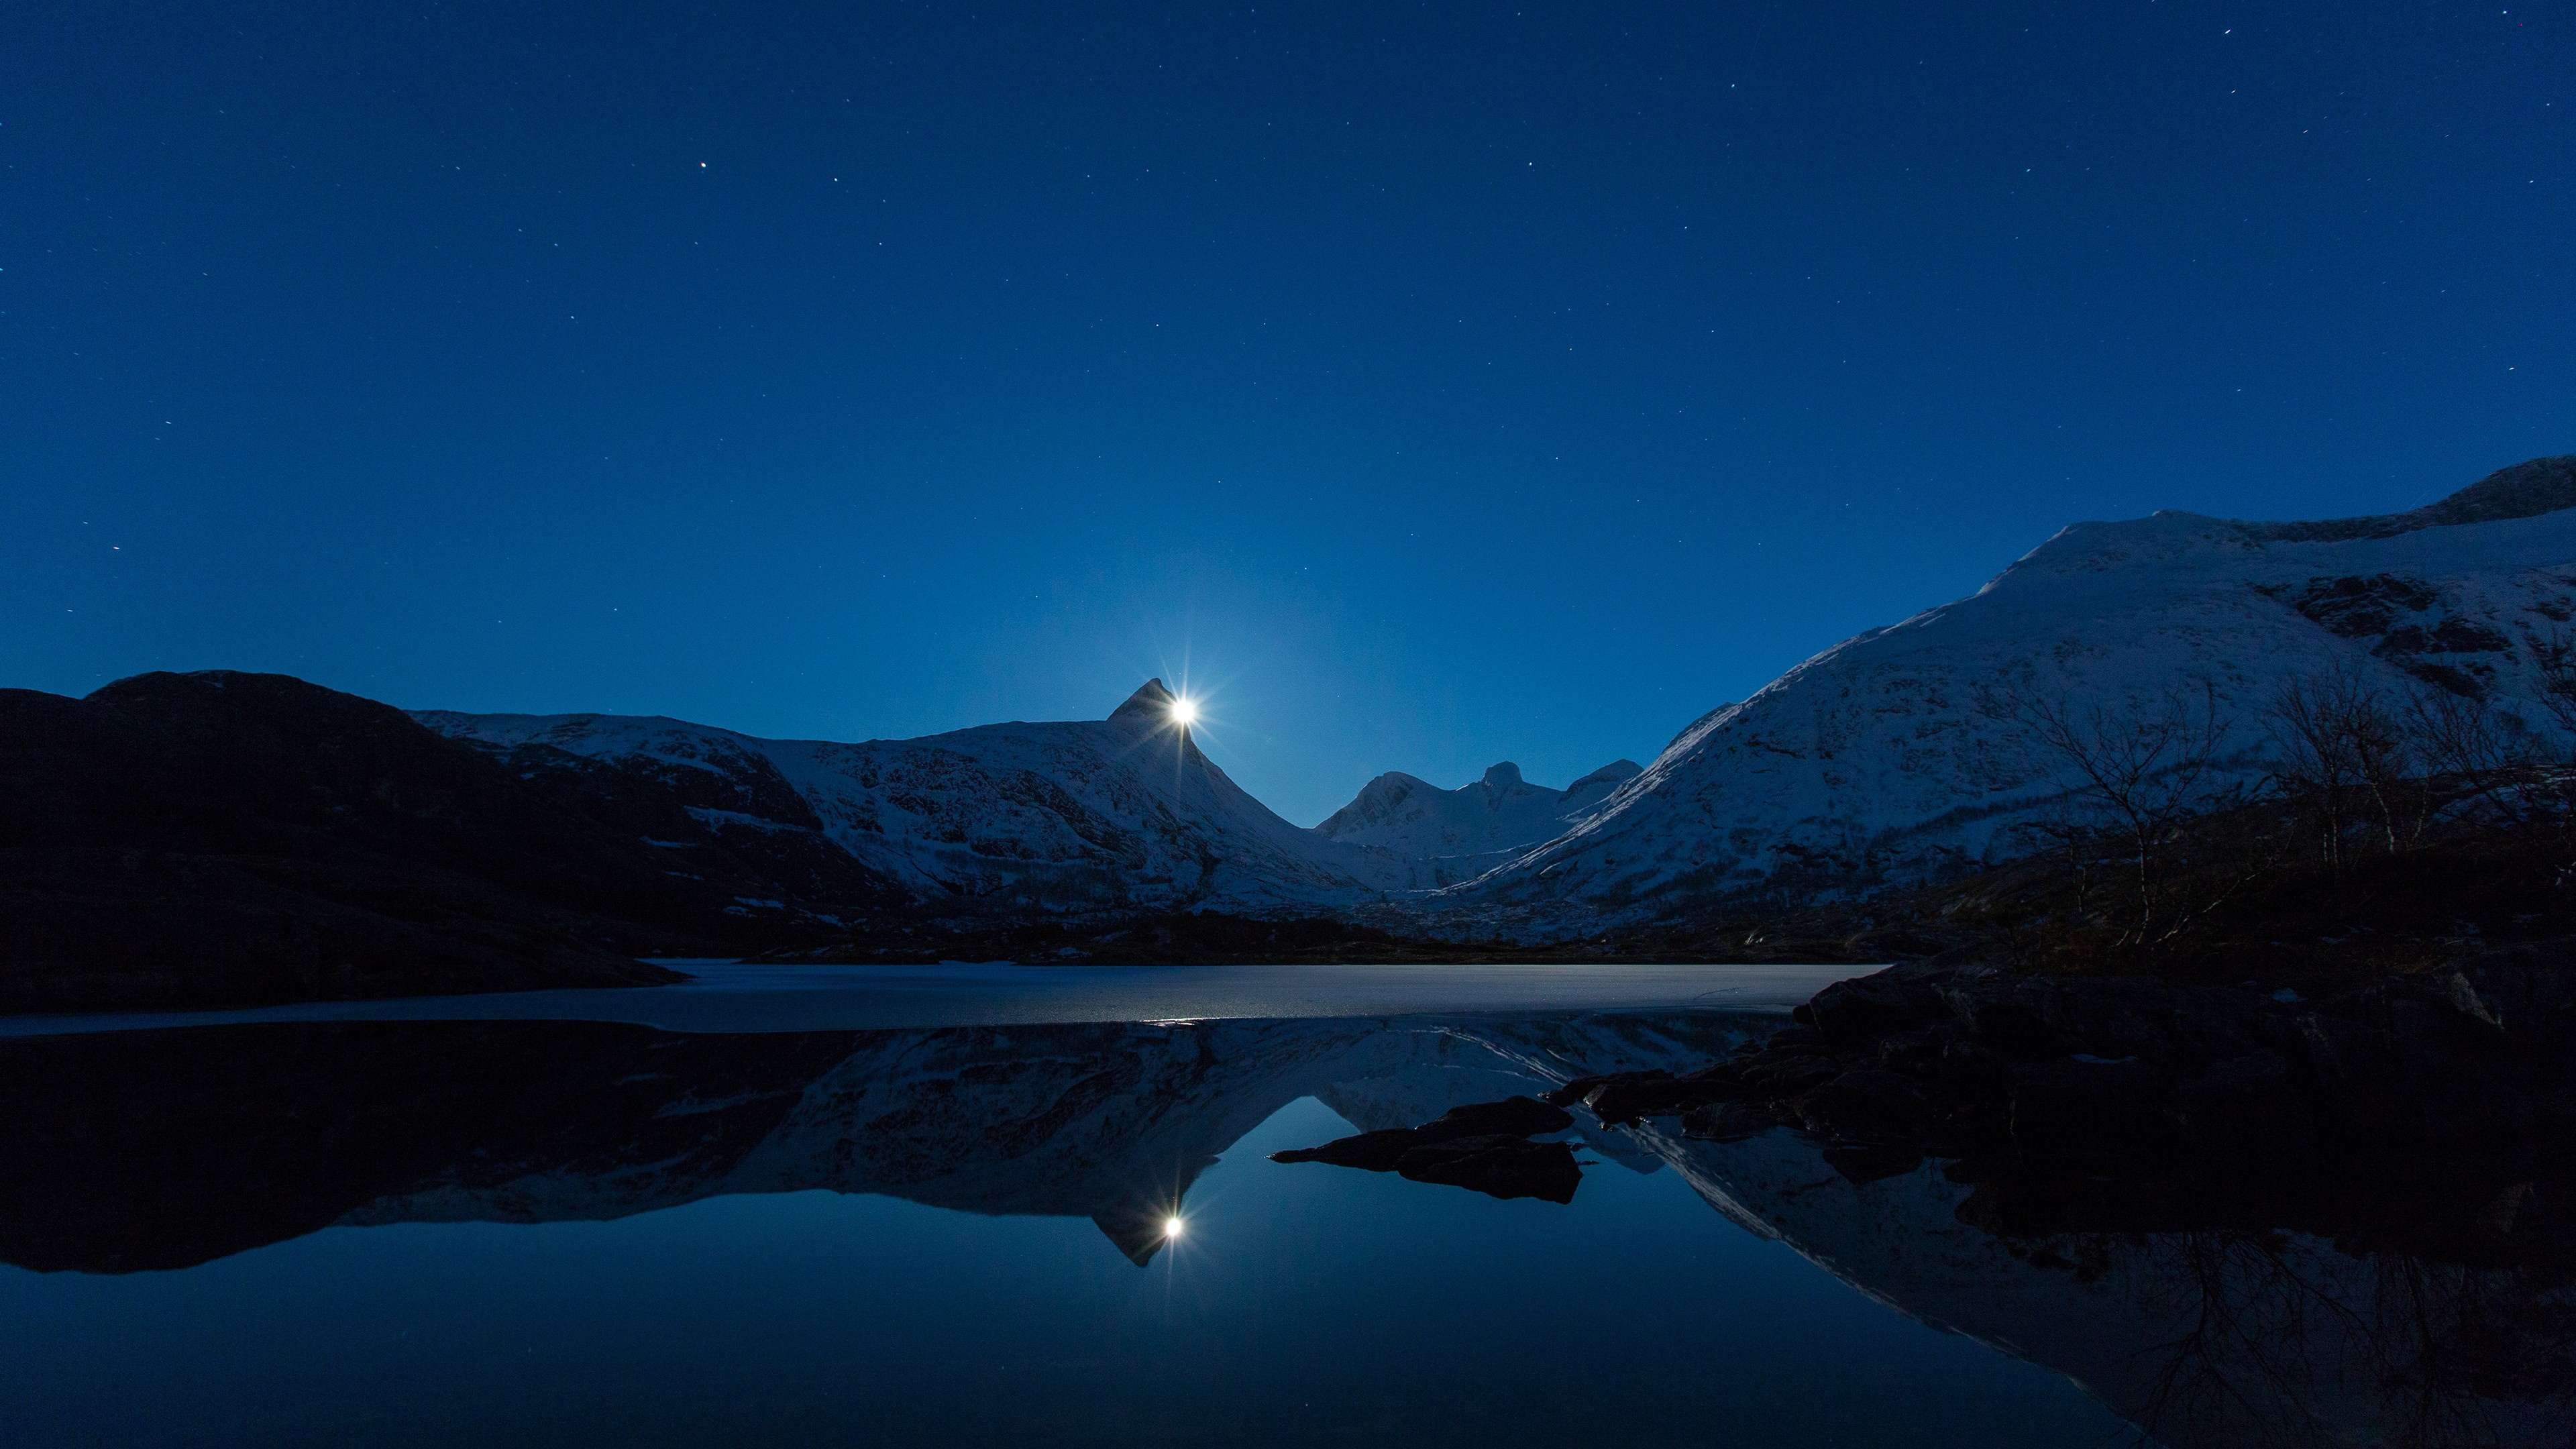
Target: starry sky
1428 385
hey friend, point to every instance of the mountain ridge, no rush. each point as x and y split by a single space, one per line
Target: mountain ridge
170 807
1872 761
1121 814
1459 833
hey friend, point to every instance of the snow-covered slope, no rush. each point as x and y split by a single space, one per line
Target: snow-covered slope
1870 762
1460 833
1872 759
1115 814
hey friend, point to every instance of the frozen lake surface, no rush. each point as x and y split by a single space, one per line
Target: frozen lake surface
728 996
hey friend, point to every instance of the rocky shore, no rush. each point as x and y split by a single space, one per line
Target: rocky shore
1959 1060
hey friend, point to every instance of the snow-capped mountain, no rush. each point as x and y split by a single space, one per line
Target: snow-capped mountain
1461 833
1118 814
1873 760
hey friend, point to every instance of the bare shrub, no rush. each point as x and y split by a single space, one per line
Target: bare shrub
2478 748
2344 755
2138 769
2554 660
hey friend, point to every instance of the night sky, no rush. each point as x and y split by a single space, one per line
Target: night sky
1428 385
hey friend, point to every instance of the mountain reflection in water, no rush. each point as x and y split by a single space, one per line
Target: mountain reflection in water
161 1149
2414 1320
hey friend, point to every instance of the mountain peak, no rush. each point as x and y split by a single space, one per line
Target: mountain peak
1617 772
1150 703
2525 490
1503 776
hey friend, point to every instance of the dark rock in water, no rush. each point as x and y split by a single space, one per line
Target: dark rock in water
1631 1095
1512 1116
1498 1166
1480 1146
1584 1089
1626 1097
1572 1092
1377 1151
1381 1151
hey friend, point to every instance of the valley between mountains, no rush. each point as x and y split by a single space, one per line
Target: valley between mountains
331 846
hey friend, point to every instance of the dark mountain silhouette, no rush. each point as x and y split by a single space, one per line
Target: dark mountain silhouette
222 838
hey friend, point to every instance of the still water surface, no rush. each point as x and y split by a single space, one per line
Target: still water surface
410 1230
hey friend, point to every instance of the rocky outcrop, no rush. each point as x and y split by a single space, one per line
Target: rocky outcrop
1483 1147
1967 1061
2235 1216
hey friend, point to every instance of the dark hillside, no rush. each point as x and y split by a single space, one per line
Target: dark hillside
222 838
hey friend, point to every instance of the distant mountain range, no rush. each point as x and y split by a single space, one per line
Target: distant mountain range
281 839
1868 763
1120 814
1459 834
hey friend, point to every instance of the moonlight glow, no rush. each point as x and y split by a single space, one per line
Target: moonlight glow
1184 711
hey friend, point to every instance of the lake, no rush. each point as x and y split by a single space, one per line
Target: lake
991 1205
